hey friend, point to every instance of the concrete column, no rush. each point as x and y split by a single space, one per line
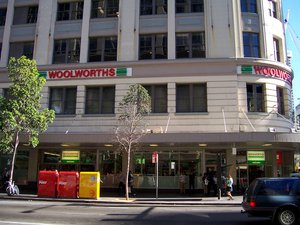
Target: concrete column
127 30
231 164
44 31
33 162
6 33
171 30
84 47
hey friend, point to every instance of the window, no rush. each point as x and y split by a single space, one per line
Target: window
66 51
17 49
276 49
70 11
251 44
153 7
103 49
158 94
2 16
63 100
191 98
104 8
273 9
6 93
25 15
280 101
255 98
189 6
100 100
153 46
249 6
190 45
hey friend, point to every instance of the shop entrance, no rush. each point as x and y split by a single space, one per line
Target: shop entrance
256 171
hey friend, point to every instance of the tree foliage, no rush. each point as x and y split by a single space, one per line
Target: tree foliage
21 111
133 108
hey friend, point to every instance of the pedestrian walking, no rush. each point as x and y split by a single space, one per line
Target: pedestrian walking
205 183
182 183
229 184
130 184
192 177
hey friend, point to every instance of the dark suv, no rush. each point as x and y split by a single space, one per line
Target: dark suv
277 198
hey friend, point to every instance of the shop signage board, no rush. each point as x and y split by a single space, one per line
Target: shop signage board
70 157
265 71
154 157
256 157
86 73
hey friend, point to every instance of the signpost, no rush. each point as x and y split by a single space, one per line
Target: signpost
155 160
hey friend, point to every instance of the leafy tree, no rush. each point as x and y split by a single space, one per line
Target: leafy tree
133 108
21 112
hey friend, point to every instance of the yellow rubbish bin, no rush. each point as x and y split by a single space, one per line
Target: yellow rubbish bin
89 185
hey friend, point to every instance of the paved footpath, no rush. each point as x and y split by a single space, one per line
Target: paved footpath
160 201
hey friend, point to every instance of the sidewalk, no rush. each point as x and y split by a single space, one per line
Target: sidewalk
160 201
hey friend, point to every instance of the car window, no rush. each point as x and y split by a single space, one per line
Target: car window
276 187
297 187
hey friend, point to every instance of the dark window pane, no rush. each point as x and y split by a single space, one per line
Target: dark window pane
183 103
255 98
63 100
2 16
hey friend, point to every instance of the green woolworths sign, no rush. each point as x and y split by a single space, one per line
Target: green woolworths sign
70 156
256 157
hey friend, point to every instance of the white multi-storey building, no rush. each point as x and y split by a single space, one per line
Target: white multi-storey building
216 71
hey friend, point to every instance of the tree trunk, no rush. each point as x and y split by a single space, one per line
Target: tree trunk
127 174
15 147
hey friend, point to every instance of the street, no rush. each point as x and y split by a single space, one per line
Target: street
53 212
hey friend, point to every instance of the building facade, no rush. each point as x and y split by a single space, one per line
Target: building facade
216 72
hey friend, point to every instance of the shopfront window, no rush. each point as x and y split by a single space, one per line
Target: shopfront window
170 165
110 162
49 160
88 160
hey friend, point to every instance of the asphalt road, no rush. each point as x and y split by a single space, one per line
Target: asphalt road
22 212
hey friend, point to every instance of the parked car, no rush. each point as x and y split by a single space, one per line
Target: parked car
277 198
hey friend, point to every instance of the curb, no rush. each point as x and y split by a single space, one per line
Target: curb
133 201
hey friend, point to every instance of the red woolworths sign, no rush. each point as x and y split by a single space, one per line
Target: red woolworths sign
267 72
86 73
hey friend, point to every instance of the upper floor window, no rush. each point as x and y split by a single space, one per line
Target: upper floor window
17 49
103 49
249 6
191 98
100 100
104 8
159 95
190 45
276 47
153 46
63 100
251 44
255 98
26 14
2 16
6 94
273 9
189 6
280 101
70 11
153 7
66 51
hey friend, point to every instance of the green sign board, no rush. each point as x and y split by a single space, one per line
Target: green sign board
256 157
70 157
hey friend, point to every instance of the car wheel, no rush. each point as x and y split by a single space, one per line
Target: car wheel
286 216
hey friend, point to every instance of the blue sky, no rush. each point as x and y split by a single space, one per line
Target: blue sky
293 6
